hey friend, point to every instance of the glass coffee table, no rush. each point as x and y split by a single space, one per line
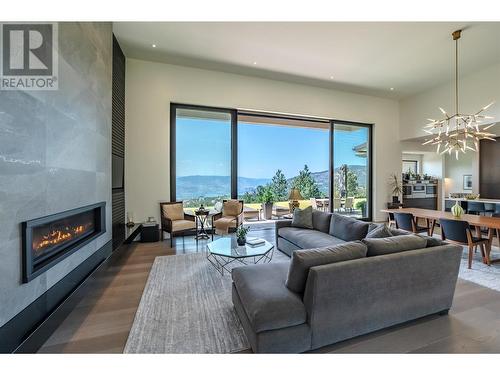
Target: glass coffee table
225 251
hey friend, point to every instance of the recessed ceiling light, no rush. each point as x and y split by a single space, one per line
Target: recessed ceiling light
392 89
331 77
255 62
153 45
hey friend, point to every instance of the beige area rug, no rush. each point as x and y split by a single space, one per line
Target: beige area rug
480 273
186 307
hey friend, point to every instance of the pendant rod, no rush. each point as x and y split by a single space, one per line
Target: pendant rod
456 36
456 76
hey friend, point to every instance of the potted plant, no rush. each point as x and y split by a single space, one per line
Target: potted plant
396 187
266 198
241 235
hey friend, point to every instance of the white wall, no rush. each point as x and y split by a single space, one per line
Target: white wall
476 91
456 169
151 87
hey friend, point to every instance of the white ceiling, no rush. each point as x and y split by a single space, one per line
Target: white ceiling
362 57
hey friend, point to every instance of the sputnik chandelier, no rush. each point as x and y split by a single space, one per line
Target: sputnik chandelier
458 132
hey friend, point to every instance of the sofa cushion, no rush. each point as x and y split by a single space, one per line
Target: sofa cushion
180 225
268 303
308 238
302 218
395 244
302 260
347 229
380 231
321 220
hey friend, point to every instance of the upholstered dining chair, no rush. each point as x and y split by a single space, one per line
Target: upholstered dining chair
349 204
231 217
314 203
459 232
337 204
475 208
175 221
407 221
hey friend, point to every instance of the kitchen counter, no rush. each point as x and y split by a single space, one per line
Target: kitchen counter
480 200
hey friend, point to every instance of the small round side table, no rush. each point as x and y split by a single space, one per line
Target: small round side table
202 218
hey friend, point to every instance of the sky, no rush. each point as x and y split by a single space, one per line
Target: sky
204 147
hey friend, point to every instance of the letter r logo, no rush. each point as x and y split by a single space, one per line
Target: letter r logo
27 49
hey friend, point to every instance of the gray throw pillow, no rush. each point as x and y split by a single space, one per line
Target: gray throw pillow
347 228
302 260
302 218
373 226
394 244
399 232
379 232
321 220
431 241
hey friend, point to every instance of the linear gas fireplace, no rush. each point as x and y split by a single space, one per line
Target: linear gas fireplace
50 239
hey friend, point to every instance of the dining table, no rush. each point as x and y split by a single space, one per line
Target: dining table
492 224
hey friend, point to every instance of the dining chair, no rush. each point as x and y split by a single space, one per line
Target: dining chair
349 204
392 221
407 221
314 203
459 232
475 208
496 231
336 204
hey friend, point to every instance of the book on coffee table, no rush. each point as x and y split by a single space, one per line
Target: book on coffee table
253 241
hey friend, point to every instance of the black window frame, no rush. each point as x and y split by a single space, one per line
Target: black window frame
234 146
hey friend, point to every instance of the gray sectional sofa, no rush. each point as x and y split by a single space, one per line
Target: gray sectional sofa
328 229
341 289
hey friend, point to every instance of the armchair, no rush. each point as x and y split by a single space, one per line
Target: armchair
174 220
231 216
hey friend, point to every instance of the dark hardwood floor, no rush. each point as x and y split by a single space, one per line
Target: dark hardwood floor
106 304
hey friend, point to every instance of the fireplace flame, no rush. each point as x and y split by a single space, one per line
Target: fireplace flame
56 237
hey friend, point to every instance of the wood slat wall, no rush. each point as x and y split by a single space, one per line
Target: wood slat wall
118 140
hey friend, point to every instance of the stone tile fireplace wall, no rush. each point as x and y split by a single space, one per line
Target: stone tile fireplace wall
55 155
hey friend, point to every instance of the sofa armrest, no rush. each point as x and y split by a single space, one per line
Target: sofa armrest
281 224
189 217
166 224
350 298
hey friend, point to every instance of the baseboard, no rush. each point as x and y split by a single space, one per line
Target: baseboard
28 330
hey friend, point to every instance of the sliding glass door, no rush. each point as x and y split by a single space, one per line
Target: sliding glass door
352 172
221 153
277 154
202 139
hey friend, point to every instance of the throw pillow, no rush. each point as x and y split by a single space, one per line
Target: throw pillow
347 228
399 232
379 232
321 220
431 241
302 218
302 260
173 211
373 226
395 244
231 208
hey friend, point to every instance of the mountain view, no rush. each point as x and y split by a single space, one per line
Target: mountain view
213 186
